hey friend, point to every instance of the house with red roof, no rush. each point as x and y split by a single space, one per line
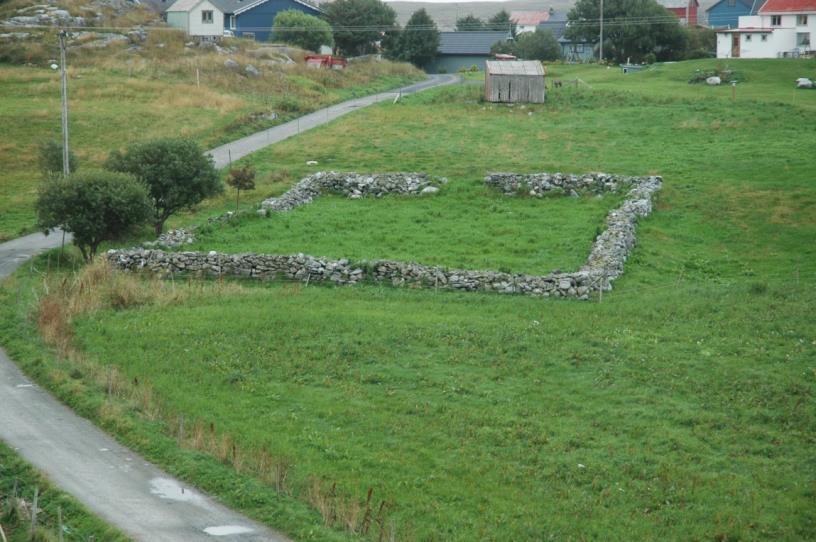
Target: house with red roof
781 28
528 21
685 10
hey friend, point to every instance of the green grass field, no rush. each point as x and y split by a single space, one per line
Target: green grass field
681 407
116 98
18 482
466 226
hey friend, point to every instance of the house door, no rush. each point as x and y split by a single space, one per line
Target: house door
735 45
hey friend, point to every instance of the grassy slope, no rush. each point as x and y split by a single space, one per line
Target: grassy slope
78 523
118 97
682 407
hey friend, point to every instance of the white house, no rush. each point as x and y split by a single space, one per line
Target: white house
196 17
782 28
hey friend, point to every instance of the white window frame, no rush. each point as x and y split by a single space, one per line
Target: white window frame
776 20
232 22
204 18
803 39
801 20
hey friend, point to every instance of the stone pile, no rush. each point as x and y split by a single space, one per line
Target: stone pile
604 264
351 185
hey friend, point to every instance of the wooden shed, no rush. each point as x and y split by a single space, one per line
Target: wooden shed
514 81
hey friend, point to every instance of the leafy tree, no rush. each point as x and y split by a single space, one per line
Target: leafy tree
701 42
501 21
177 174
538 45
360 24
469 23
94 206
624 34
506 47
50 159
241 179
419 41
301 29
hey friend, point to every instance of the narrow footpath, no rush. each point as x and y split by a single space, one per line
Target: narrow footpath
113 482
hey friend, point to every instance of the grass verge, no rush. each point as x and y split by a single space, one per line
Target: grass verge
18 484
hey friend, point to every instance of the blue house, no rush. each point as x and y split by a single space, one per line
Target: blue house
571 51
726 13
253 18
240 18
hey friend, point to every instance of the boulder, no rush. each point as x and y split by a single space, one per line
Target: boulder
713 81
252 71
230 64
804 82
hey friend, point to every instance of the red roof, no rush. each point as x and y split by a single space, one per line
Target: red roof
788 6
530 18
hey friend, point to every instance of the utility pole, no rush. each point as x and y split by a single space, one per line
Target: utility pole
600 52
66 169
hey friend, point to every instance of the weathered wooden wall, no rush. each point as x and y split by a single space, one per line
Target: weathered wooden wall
514 88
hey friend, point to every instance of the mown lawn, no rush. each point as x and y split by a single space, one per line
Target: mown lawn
117 98
18 482
680 407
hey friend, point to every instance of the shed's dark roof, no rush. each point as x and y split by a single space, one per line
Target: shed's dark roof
469 43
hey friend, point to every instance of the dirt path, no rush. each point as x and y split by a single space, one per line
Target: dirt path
118 485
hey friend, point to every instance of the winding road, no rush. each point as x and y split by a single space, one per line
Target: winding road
118 485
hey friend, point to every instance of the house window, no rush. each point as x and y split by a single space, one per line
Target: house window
747 37
579 48
803 39
207 16
801 20
232 21
763 37
776 20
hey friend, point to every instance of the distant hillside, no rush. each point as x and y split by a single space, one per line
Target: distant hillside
445 14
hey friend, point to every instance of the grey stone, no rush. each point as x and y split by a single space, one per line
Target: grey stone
252 71
231 64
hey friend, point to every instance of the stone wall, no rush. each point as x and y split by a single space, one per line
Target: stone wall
544 184
604 264
353 186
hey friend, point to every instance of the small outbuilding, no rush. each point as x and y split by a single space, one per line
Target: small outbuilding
514 81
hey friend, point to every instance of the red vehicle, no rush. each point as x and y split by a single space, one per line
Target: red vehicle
326 61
